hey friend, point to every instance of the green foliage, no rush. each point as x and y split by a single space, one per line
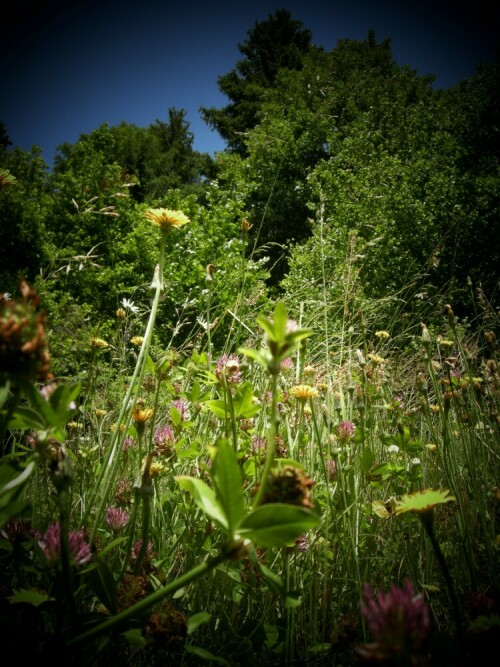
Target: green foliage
278 43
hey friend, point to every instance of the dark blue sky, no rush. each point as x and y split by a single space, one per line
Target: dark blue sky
69 67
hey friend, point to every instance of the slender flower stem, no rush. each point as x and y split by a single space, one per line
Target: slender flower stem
110 466
271 440
147 602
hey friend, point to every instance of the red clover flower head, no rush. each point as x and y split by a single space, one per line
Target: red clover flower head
181 405
116 519
398 620
228 368
346 431
163 435
79 550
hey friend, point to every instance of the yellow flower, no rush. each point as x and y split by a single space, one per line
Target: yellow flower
141 416
384 508
382 334
245 226
100 413
166 219
98 342
157 468
423 501
303 392
120 314
137 340
376 359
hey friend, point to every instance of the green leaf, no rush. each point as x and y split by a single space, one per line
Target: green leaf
219 408
135 638
228 482
103 584
243 403
4 394
277 524
196 620
204 497
367 459
32 597
206 655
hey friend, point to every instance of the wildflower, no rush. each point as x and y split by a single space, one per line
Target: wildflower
303 392
142 415
23 345
393 449
399 622
382 334
79 550
258 445
431 447
286 364
131 589
245 226
289 484
137 340
116 519
309 371
331 469
376 359
166 628
163 438
228 369
123 493
129 305
99 343
302 543
148 555
166 219
345 431
181 406
100 413
157 468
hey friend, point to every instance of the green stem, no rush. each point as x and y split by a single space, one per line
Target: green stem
271 441
109 467
150 600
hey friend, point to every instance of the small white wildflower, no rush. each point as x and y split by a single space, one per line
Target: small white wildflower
130 305
415 462
393 449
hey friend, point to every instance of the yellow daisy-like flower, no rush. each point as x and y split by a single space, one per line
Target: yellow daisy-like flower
382 334
376 359
166 219
142 415
303 392
137 340
99 343
423 501
100 413
157 468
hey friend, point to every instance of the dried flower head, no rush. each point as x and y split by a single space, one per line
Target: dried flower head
24 352
165 629
289 484
166 219
228 369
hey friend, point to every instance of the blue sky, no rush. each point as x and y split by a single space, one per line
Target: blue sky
68 69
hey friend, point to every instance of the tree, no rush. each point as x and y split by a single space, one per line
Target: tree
280 42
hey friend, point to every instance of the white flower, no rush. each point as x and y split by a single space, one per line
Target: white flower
393 449
6 296
130 305
415 462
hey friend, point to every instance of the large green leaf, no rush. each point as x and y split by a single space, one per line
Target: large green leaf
204 497
277 524
228 483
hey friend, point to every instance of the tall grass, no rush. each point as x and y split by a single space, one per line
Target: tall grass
351 423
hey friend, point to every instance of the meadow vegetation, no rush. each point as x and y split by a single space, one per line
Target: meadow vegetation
249 406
